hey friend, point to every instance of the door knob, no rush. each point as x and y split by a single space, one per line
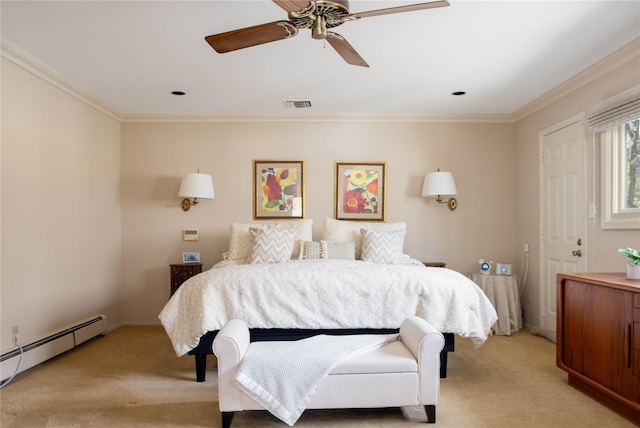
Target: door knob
577 253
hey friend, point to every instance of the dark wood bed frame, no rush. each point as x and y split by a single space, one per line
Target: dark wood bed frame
205 346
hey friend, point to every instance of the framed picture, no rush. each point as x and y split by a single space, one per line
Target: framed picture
278 189
190 257
360 191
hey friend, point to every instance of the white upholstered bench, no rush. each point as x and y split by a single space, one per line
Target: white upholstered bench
405 372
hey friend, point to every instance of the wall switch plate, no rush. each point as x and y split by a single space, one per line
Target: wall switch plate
592 210
190 234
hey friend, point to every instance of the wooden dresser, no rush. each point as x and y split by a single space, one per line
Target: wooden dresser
598 338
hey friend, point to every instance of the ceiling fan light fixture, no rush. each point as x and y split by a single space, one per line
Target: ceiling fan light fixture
319 30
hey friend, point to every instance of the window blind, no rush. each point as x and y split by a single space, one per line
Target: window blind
616 110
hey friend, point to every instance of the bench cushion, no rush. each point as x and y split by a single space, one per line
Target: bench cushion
391 358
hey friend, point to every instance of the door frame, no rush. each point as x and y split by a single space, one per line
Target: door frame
579 117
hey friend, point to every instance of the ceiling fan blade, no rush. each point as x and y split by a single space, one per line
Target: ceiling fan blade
398 9
251 36
346 51
292 5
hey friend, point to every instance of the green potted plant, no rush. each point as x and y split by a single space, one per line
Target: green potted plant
633 267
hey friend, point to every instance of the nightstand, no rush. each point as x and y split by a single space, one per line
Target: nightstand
504 294
180 272
435 264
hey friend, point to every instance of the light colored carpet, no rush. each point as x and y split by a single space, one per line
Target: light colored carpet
132 378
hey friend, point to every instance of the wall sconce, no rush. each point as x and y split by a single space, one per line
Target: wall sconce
439 184
196 185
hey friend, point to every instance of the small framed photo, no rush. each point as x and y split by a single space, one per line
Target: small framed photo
360 191
278 189
190 257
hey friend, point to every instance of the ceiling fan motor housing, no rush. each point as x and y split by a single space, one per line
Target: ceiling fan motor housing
321 15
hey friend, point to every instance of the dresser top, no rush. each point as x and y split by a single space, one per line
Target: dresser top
610 278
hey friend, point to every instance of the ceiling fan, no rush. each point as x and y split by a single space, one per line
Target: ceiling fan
318 15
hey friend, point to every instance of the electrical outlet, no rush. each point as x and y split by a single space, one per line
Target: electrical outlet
15 333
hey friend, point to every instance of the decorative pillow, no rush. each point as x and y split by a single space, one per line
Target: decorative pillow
343 230
240 241
311 250
340 250
382 247
271 245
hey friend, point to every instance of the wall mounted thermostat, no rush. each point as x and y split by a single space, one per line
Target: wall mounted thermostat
190 235
503 269
485 267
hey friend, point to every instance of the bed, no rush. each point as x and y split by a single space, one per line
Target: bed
335 286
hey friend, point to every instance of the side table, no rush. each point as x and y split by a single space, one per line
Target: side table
503 293
435 264
180 272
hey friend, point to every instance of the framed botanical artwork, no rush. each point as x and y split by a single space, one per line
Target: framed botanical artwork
360 191
278 189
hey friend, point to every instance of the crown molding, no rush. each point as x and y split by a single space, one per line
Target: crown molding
427 118
27 62
623 55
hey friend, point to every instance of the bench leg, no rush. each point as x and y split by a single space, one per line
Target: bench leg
226 419
201 367
431 413
443 364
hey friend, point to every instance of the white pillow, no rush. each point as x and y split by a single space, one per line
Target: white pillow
271 245
340 250
311 250
342 230
240 240
382 246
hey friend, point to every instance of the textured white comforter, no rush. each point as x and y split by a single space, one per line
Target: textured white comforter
326 294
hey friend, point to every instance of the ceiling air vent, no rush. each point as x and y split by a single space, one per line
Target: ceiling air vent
298 103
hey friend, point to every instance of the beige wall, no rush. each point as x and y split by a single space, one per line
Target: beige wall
60 229
600 245
156 155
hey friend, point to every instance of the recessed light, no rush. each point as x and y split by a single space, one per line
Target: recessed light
178 93
458 93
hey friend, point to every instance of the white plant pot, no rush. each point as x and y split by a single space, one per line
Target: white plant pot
633 272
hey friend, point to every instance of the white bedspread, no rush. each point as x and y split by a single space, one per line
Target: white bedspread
282 379
326 294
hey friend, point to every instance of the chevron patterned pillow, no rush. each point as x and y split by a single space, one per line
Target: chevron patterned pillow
382 246
272 245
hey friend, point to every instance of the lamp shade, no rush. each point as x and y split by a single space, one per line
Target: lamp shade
196 185
439 183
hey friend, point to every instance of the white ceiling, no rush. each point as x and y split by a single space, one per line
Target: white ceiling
504 54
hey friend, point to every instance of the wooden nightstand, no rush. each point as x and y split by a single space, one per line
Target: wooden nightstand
180 272
435 264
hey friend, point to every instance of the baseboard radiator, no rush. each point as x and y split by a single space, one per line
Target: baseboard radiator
48 347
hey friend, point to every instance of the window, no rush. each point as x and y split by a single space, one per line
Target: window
631 167
621 176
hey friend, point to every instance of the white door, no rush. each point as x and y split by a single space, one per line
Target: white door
563 209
